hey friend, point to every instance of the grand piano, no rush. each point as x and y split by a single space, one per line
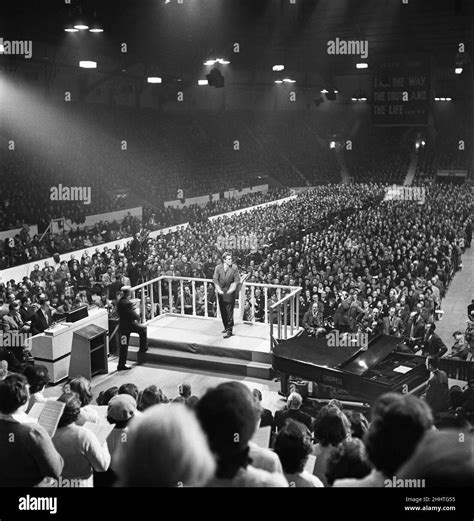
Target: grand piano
350 372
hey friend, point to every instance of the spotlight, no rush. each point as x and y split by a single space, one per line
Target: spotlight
278 81
222 61
354 99
81 27
458 70
203 82
71 29
324 91
332 144
362 65
448 99
96 28
288 80
153 79
86 64
363 99
278 68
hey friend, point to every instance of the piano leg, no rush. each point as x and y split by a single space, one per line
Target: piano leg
283 384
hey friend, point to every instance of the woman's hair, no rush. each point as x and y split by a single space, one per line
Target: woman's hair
82 387
359 424
37 376
293 446
393 435
166 448
105 396
130 389
441 460
13 393
229 417
71 411
150 396
348 460
331 426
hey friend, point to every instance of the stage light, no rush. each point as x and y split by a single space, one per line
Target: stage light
324 91
210 62
71 29
458 70
362 65
332 144
278 81
203 82
154 79
87 64
81 27
288 80
363 99
222 61
336 92
278 68
423 143
354 99
436 99
448 99
442 99
96 28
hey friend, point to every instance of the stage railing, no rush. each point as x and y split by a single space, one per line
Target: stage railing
285 317
167 295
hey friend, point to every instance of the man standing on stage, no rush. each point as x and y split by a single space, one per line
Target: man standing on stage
129 323
226 279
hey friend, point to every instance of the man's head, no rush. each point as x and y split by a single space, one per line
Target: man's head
295 401
432 363
227 259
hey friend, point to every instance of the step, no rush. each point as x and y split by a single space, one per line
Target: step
218 364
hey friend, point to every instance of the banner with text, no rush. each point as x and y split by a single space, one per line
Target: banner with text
401 91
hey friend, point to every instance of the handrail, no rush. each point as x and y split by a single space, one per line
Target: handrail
285 319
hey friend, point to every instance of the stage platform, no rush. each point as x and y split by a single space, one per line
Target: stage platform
197 343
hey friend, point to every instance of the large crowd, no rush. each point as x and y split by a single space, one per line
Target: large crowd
191 441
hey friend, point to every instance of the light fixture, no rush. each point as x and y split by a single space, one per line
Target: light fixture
210 62
324 91
289 80
222 61
448 99
81 26
87 64
153 79
363 99
458 70
203 82
278 68
71 29
332 144
362 65
96 28
336 92
354 99
278 81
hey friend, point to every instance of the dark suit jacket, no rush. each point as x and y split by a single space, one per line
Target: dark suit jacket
38 322
266 419
396 329
294 414
127 314
437 392
434 346
224 279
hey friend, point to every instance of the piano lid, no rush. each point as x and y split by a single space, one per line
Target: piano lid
313 352
379 349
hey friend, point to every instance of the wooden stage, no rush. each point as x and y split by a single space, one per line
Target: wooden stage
197 343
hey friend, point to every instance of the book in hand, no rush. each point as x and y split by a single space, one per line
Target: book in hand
47 414
101 430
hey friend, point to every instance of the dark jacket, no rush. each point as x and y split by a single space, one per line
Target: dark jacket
38 321
437 392
294 414
128 317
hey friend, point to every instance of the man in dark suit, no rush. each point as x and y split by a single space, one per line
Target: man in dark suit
392 325
432 345
129 323
313 320
295 401
43 318
226 279
437 392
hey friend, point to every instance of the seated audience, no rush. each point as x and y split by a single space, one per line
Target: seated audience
150 396
166 448
442 461
105 396
292 411
32 457
229 418
293 446
266 418
38 378
83 388
359 424
347 460
392 438
78 446
330 429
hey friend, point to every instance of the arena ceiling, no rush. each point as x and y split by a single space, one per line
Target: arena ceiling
176 38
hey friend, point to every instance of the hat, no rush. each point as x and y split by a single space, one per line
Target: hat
121 407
